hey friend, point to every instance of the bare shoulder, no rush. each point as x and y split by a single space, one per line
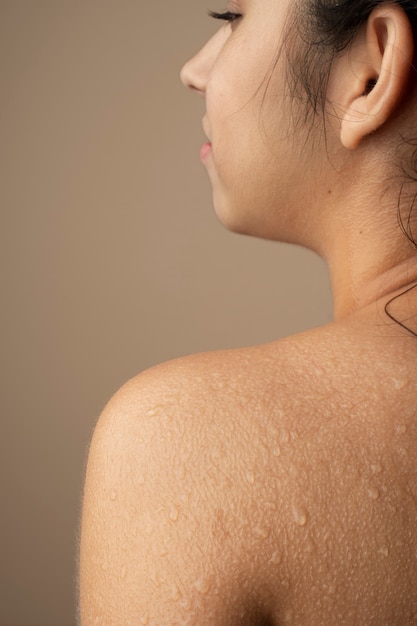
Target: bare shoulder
207 497
160 496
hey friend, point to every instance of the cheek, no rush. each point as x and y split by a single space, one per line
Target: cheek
251 139
252 162
246 181
256 182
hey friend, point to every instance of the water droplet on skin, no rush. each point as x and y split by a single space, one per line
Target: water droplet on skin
113 496
276 451
374 493
401 429
399 384
144 619
175 593
250 477
284 436
202 585
384 551
377 469
260 532
275 558
154 578
300 516
185 497
173 514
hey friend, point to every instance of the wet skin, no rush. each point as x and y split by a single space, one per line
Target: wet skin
268 485
278 484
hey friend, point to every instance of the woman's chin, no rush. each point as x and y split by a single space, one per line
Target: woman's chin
229 216
238 219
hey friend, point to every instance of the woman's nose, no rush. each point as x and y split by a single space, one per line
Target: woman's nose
196 72
193 74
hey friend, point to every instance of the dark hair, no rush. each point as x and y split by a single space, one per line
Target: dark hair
326 28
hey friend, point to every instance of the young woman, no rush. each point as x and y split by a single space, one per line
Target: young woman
278 484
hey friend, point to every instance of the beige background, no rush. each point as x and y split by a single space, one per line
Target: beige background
112 258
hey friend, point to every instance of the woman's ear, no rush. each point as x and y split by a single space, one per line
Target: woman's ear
378 67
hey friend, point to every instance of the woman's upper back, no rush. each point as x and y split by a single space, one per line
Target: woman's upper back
268 485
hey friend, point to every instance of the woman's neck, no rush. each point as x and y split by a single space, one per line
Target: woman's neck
368 256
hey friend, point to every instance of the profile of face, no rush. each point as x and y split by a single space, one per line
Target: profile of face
260 170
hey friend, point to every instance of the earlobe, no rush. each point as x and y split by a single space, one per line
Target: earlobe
380 63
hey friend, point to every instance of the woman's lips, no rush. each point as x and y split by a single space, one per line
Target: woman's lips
206 148
205 151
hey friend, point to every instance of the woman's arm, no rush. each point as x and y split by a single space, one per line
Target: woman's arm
155 542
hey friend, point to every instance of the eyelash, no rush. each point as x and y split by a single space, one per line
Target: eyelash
228 16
